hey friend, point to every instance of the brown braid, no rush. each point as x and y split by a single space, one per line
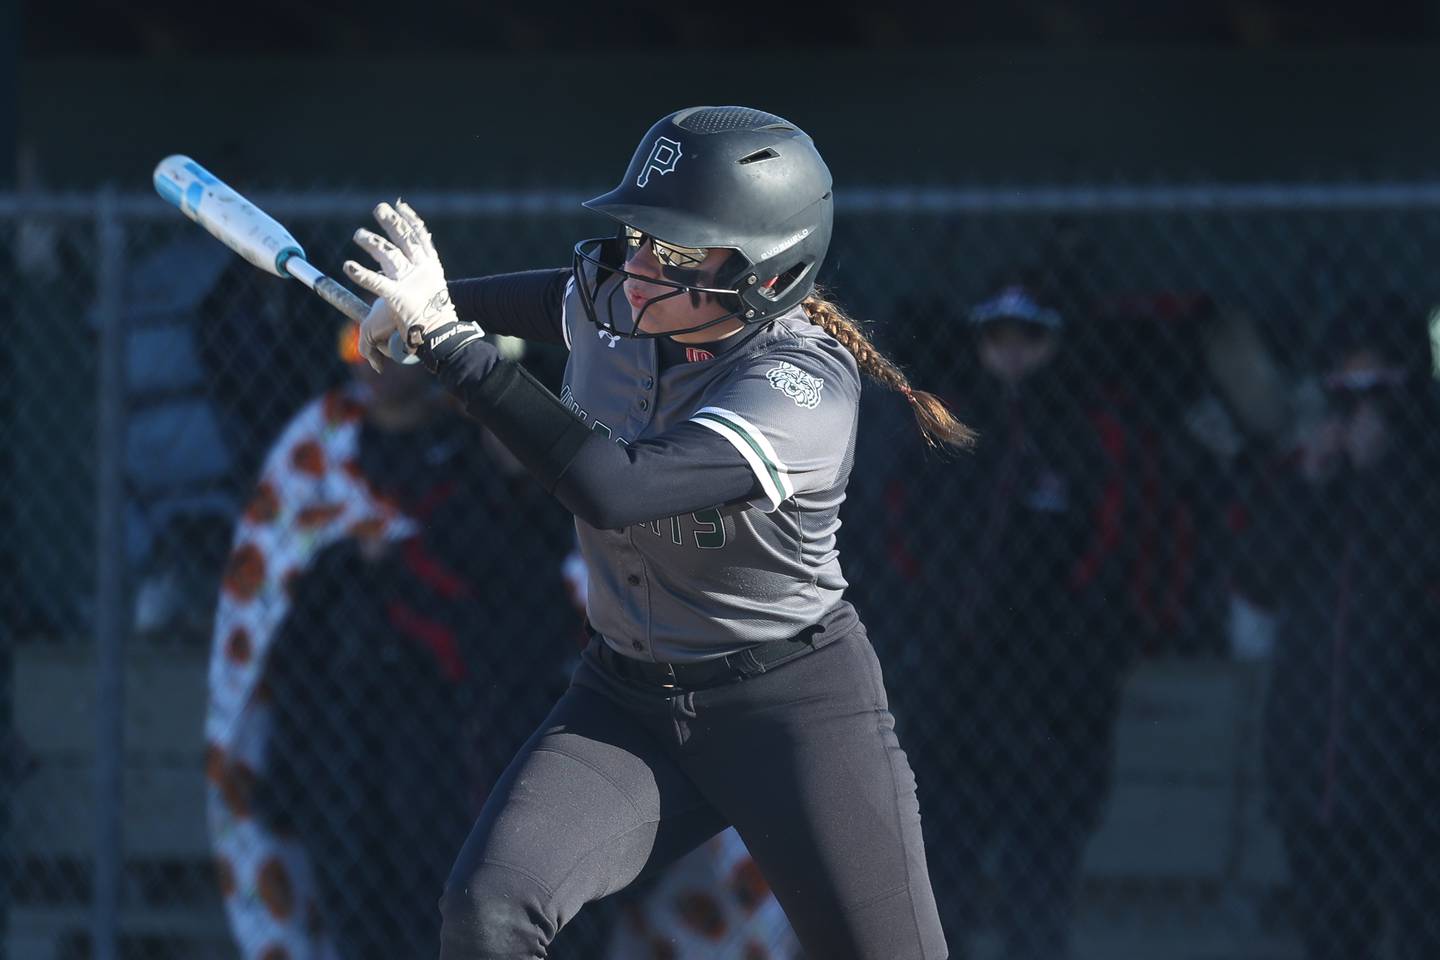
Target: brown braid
937 424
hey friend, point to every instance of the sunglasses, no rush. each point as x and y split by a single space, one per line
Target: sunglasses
1346 400
667 254
1345 392
1028 329
1370 381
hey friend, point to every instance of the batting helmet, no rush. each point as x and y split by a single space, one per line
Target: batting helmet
718 177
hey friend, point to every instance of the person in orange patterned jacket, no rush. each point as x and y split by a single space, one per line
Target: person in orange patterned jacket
345 731
712 904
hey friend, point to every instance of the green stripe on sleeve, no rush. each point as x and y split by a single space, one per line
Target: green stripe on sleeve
775 475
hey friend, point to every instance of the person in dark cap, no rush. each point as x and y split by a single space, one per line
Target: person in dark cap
1009 564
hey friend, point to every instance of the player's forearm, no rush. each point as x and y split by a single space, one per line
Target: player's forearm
605 484
526 305
610 486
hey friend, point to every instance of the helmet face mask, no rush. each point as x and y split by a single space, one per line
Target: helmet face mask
703 180
605 269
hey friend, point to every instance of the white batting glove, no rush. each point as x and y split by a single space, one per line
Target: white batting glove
411 284
376 332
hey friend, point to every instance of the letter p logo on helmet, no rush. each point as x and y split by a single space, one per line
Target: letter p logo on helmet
663 157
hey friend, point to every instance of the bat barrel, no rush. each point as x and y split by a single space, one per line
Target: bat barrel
255 235
229 217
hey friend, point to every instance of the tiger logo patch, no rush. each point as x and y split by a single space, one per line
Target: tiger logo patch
802 387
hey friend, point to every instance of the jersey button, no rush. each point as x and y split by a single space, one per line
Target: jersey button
633 580
649 382
637 644
644 404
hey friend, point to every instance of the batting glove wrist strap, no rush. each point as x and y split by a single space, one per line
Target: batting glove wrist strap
438 346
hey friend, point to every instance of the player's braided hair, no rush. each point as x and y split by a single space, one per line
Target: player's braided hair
937 424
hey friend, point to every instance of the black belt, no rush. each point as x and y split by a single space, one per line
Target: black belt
708 673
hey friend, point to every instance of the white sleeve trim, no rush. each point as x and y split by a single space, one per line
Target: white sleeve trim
758 452
564 313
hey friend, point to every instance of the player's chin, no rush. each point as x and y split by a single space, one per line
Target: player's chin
646 322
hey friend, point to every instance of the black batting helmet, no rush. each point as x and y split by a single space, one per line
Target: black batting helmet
733 178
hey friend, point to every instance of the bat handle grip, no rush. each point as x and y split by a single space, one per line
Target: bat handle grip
347 303
342 299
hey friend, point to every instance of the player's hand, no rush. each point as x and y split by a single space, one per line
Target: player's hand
411 281
379 325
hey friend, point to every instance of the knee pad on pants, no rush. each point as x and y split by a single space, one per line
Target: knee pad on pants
498 914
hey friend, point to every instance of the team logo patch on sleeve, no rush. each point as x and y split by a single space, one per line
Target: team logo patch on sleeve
802 387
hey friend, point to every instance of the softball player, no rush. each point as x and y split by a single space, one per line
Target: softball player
703 439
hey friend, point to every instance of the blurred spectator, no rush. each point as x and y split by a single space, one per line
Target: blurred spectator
1011 653
351 737
213 370
1344 551
1202 402
711 904
256 344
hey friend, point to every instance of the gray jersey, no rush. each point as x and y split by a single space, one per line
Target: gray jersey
706 584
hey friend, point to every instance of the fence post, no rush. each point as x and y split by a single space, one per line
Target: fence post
111 620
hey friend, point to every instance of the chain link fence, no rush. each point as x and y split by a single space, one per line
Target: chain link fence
1161 650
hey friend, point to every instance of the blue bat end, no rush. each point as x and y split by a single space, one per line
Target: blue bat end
168 189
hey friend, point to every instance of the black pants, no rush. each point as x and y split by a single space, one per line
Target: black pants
624 777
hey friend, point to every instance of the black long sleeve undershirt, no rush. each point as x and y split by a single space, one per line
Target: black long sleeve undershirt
687 469
604 484
528 305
